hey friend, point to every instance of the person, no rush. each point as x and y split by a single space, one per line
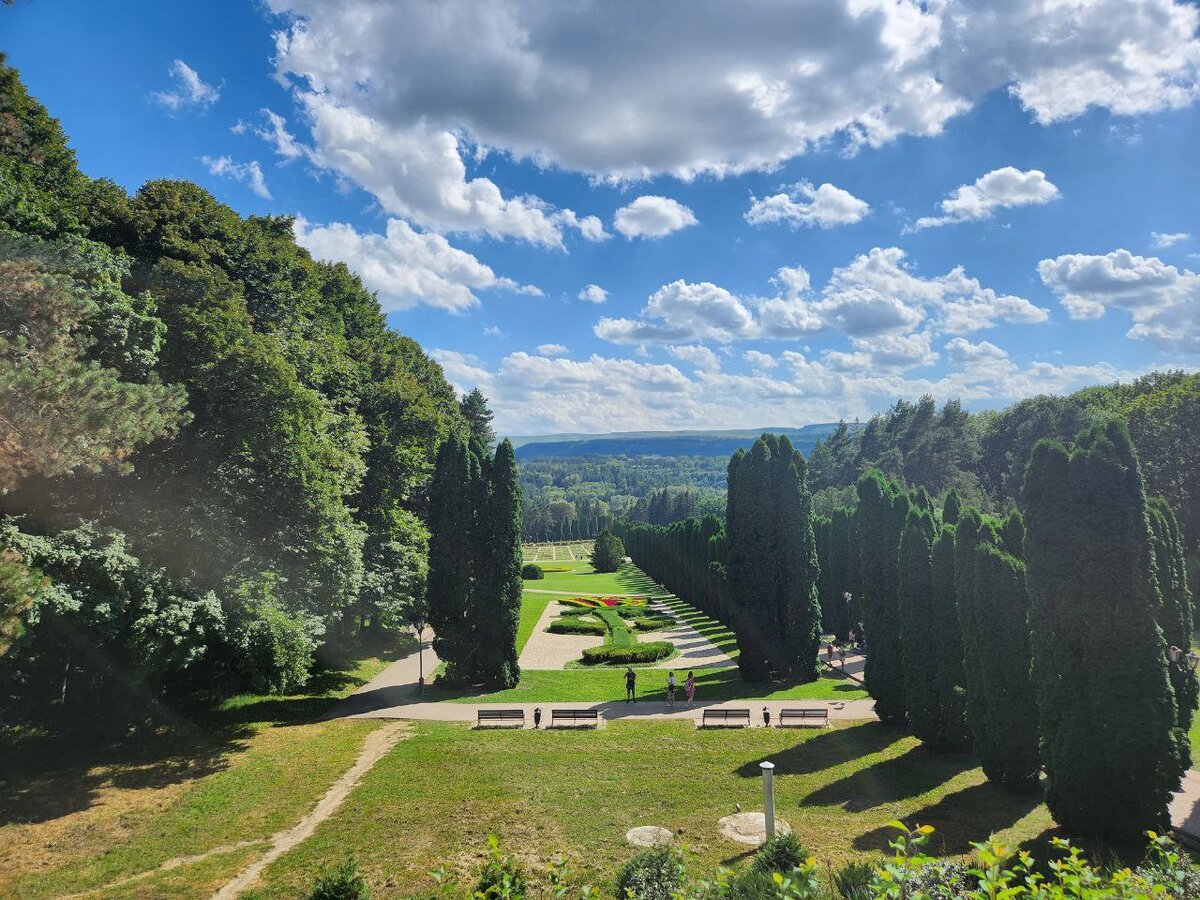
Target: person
829 654
630 684
842 655
852 640
670 689
690 687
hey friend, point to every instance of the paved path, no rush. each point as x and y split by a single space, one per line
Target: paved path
1185 810
544 650
695 650
392 695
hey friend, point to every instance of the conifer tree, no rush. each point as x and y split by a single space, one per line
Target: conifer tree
1175 613
496 601
917 635
882 510
453 510
966 539
947 646
475 410
608 552
1111 740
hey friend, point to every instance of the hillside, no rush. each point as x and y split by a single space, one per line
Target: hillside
662 443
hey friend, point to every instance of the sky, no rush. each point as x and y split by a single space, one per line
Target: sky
688 213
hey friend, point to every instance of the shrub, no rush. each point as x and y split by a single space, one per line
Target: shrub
652 623
501 878
782 853
638 653
273 650
532 572
576 625
608 552
651 875
342 882
853 880
751 885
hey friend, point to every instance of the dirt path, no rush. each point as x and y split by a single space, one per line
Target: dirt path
375 746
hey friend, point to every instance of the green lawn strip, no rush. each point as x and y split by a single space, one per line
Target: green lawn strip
724 639
619 634
532 607
435 798
252 766
584 579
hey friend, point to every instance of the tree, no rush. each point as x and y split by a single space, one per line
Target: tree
608 552
452 530
946 647
496 605
1175 612
19 589
479 423
918 638
882 510
1096 639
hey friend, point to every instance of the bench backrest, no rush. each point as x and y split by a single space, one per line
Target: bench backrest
573 714
501 713
804 713
727 714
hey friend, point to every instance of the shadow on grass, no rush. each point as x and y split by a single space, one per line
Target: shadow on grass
46 774
960 818
910 774
828 749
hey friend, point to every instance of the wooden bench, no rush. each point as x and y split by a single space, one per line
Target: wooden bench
500 718
725 718
574 717
801 718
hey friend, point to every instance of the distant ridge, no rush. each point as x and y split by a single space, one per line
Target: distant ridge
662 443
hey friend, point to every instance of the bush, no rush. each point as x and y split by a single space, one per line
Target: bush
576 625
652 623
651 875
532 572
853 880
273 650
752 885
342 882
638 653
782 853
501 877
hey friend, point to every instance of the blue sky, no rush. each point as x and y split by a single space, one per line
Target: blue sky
794 212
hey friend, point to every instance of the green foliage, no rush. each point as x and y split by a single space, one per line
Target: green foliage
946 648
922 701
20 587
501 878
647 652
478 417
655 874
882 511
608 552
532 572
853 880
1096 640
780 853
340 882
577 625
271 650
1175 612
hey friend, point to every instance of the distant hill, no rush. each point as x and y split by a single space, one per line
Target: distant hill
661 443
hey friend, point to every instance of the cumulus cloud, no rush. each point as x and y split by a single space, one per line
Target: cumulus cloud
998 189
249 174
759 360
593 293
652 217
1163 301
277 135
699 356
682 311
715 88
190 89
551 349
824 207
407 268
1163 241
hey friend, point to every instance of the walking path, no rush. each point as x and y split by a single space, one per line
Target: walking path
695 650
544 650
1185 810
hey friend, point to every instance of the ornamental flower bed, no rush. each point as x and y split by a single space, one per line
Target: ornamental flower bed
599 602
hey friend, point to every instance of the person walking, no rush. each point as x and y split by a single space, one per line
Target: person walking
842 656
670 689
689 686
829 654
630 685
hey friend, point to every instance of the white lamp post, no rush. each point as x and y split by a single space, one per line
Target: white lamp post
768 770
418 627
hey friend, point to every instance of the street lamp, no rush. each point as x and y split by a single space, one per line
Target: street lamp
1190 660
418 627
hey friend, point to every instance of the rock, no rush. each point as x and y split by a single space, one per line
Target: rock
750 828
648 836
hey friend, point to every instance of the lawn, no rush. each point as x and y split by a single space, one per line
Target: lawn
581 577
79 814
434 799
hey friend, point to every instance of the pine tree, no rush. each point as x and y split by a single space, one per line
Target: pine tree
947 646
1111 740
882 510
452 528
475 410
917 635
608 552
1175 613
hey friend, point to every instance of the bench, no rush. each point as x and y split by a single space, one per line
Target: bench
725 718
574 717
501 718
800 718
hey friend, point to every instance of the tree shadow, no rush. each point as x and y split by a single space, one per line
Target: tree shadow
960 818
910 774
827 749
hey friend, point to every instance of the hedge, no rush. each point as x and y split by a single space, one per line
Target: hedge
638 653
652 623
576 625
532 572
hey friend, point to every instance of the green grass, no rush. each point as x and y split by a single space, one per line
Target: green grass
619 634
434 799
586 580
532 607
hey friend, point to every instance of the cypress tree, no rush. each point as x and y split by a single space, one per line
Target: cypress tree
966 539
797 568
750 569
842 581
1175 612
951 507
1004 724
496 604
917 635
452 526
1111 740
882 509
947 646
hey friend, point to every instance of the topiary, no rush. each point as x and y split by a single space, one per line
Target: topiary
781 853
532 572
342 882
651 875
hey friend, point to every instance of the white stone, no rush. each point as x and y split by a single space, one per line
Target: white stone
648 836
750 828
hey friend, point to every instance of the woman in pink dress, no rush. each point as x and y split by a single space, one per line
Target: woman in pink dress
690 687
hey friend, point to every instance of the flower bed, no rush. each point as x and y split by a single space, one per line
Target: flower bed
604 602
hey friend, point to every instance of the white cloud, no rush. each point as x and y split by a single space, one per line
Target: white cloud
190 89
605 89
699 356
962 352
759 360
824 207
249 173
593 293
1163 301
551 349
998 189
652 217
1163 241
493 331
407 268
682 311
277 135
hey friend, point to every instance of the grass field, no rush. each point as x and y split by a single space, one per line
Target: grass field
434 799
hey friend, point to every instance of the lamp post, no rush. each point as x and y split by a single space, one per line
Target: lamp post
1190 660
768 770
418 627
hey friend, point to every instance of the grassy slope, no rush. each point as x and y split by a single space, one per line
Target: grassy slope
94 814
436 797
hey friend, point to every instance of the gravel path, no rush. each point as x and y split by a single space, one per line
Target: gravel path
553 651
695 650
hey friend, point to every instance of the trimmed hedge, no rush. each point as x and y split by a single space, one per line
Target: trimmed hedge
532 572
637 653
652 623
576 625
